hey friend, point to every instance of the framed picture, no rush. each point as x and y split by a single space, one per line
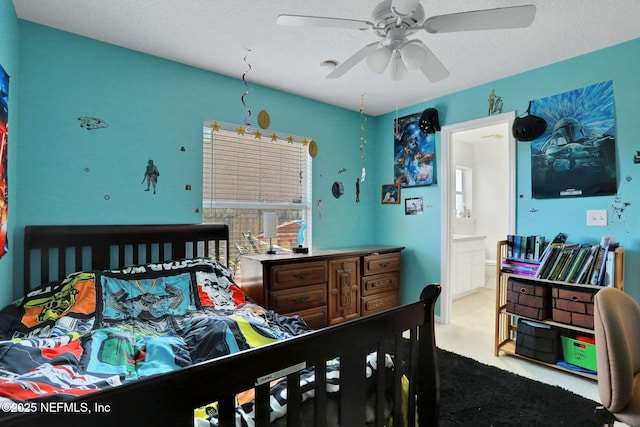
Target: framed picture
576 156
390 194
413 153
413 206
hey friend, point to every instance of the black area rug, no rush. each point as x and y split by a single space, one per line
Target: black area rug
474 394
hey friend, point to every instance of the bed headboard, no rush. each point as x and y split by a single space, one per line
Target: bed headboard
53 251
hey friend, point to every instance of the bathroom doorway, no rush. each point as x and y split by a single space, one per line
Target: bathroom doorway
483 205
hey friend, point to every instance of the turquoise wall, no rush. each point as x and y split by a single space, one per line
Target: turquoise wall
9 60
154 107
621 64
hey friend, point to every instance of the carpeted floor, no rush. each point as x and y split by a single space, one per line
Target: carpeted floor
478 395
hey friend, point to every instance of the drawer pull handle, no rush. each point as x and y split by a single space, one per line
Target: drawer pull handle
381 283
302 275
300 300
574 298
384 264
523 291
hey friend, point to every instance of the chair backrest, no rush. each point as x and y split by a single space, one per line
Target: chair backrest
617 331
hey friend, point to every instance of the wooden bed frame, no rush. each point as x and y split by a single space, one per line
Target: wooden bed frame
169 399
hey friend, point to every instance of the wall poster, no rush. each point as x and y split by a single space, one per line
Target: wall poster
575 157
4 139
413 154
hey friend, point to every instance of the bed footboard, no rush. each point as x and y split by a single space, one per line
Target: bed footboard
170 399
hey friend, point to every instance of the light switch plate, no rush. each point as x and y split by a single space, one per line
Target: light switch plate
597 217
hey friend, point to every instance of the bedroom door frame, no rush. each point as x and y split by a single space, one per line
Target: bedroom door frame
447 196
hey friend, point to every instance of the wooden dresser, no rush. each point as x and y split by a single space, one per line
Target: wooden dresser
325 287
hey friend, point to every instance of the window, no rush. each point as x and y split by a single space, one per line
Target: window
247 173
463 192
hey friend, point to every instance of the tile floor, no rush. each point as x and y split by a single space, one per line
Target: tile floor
471 333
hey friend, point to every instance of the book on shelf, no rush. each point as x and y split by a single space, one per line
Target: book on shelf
561 262
577 264
607 243
517 240
592 264
524 247
587 267
572 253
524 267
609 271
548 260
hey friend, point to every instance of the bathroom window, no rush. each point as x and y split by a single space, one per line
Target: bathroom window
463 192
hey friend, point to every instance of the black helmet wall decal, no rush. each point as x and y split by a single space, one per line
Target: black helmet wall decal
529 127
428 122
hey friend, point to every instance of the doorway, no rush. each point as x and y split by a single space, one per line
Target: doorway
476 135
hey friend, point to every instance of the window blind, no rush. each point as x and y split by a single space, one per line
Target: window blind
241 168
247 172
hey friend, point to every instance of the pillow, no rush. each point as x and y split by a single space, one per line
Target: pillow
142 298
218 291
214 286
53 309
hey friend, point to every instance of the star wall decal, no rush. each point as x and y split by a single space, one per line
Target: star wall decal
240 130
215 127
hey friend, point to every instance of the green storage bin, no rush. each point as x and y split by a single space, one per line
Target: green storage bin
579 353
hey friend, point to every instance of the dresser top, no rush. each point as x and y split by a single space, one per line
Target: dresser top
323 253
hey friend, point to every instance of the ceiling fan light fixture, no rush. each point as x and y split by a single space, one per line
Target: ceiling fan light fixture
399 71
378 60
404 8
413 55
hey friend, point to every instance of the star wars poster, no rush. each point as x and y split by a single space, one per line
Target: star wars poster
414 153
575 157
4 126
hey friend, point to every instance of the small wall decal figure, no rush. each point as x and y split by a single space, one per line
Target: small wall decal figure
619 206
151 175
92 123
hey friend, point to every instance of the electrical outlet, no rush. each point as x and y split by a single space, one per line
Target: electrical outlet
597 217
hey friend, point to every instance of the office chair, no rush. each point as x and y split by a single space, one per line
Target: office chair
617 331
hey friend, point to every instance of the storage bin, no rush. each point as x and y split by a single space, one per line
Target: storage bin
529 299
579 353
573 305
538 341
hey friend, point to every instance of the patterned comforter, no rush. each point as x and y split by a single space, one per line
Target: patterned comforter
100 329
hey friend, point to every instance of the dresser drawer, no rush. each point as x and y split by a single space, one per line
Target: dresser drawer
296 299
316 317
382 263
298 274
378 283
379 302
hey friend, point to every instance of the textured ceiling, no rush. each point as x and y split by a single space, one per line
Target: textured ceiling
217 35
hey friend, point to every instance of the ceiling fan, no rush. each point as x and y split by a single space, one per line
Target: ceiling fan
395 20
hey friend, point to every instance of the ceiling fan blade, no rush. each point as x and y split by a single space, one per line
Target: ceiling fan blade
353 60
321 21
488 19
404 8
432 67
